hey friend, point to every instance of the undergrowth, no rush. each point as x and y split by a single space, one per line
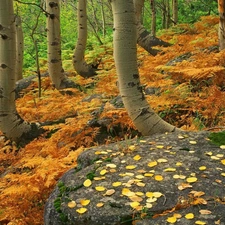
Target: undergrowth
191 96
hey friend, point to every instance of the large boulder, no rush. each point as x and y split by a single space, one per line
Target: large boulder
152 180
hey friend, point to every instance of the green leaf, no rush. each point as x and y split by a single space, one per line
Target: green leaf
218 138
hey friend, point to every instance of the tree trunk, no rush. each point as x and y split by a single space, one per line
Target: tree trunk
168 20
221 9
175 12
19 49
152 2
55 68
11 124
144 38
125 55
79 63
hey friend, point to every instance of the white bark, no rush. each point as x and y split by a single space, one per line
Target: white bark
11 124
19 49
79 63
125 55
55 68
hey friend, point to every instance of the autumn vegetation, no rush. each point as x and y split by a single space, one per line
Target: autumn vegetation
191 96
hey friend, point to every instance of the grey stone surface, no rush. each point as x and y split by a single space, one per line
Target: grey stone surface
180 154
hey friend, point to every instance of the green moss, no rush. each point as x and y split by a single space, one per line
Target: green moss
218 138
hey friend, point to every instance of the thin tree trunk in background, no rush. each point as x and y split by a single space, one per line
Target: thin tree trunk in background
19 49
168 21
163 14
55 68
144 38
11 124
79 63
103 19
221 9
125 56
175 12
153 24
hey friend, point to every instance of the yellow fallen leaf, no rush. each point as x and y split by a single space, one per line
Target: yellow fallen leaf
135 198
110 192
139 193
148 174
100 204
71 204
209 153
151 200
84 202
169 169
130 167
81 210
111 165
149 194
193 142
183 186
189 216
177 215
191 179
220 155
222 146
148 205
142 141
162 160
223 161
134 204
87 183
179 164
140 184
171 219
137 157
152 164
103 172
99 178
116 184
199 222
223 174
205 212
100 188
158 177
140 176
157 194
159 146
202 168
132 147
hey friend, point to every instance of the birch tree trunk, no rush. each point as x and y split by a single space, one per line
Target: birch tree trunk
221 9
19 49
79 63
11 124
125 55
55 68
144 38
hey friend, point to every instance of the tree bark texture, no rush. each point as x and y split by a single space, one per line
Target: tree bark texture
221 9
11 124
55 68
175 12
125 55
153 24
19 49
144 38
79 63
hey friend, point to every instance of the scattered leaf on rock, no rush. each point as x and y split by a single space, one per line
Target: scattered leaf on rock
171 219
116 184
169 169
189 216
71 204
111 165
100 204
134 205
205 211
158 177
84 202
193 142
87 183
199 222
152 164
137 157
110 192
130 167
191 179
100 188
81 210
202 168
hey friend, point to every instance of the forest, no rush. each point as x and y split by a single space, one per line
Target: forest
182 78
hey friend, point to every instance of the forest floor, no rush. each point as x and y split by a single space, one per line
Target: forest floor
190 95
